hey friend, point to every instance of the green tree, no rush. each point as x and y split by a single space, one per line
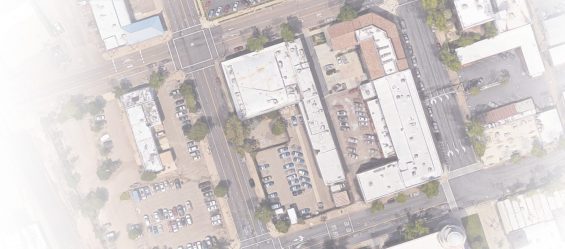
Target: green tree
107 168
431 189
401 198
264 212
93 202
188 91
489 30
377 206
157 78
449 58
436 19
95 106
135 231
198 131
221 189
537 149
467 39
432 4
256 43
475 129
278 126
478 146
474 91
235 130
124 196
74 108
282 226
148 176
414 230
346 13
287 33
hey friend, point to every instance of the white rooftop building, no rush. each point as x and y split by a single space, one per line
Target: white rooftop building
553 28
550 128
142 114
264 81
472 13
511 14
280 76
383 43
406 127
557 55
522 38
116 27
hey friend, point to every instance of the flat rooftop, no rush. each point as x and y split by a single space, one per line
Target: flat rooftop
417 158
511 14
142 115
264 81
522 38
557 55
553 28
472 13
116 27
509 112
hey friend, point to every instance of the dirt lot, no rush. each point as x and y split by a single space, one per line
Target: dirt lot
301 170
353 141
262 130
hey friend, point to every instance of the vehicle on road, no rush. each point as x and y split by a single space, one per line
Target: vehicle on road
251 182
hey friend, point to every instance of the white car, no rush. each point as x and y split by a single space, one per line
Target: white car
234 9
192 148
188 219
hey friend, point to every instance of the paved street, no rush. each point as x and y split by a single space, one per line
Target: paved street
453 146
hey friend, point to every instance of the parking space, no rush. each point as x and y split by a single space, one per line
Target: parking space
340 70
218 8
173 221
501 79
355 131
289 173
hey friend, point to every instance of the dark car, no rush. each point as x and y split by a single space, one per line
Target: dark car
251 183
177 183
204 184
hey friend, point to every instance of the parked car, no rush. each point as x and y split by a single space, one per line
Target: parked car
267 178
362 119
179 102
210 14
146 219
188 205
269 184
282 150
234 9
291 177
188 219
352 140
306 185
304 179
251 182
288 166
273 195
294 121
303 172
204 184
295 188
174 92
284 155
264 166
341 113
297 193
275 206
297 154
181 113
192 148
298 160
219 11
342 119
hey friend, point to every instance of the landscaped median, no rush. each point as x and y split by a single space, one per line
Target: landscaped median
474 231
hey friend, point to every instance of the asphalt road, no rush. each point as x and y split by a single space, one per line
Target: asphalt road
454 146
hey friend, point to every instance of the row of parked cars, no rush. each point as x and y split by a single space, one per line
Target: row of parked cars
193 150
181 111
208 243
211 203
177 217
144 192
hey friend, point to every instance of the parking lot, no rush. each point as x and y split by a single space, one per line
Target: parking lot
169 219
289 173
517 86
218 8
355 131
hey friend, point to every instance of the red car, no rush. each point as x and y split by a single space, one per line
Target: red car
227 8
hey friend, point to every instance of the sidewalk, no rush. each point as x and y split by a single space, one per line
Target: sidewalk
208 24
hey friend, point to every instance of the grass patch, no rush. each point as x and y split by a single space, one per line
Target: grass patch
474 231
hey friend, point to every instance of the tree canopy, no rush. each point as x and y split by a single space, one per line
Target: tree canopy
188 92
489 30
221 189
414 230
282 226
431 189
377 206
198 131
346 13
93 202
287 33
264 213
148 176
256 43
106 168
278 126
537 149
449 58
157 78
235 130
401 198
